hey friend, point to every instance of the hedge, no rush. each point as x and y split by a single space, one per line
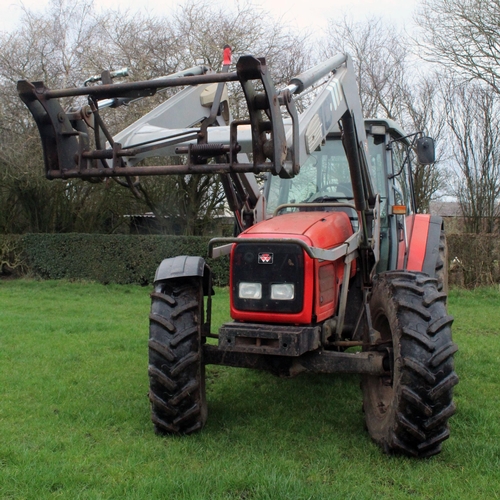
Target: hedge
474 259
103 258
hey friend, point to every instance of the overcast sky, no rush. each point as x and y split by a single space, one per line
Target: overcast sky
311 14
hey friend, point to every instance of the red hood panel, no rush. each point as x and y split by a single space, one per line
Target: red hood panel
324 229
293 223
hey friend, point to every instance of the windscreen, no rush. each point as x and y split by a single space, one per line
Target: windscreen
325 177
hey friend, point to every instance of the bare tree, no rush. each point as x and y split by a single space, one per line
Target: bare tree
198 31
70 42
423 111
473 118
380 60
391 88
463 36
51 46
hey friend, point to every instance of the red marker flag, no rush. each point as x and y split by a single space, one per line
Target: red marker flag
227 55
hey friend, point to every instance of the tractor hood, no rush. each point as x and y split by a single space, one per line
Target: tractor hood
319 229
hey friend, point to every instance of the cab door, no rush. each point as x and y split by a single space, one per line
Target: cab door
401 203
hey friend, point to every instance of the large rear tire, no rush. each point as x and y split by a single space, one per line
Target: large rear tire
407 410
176 371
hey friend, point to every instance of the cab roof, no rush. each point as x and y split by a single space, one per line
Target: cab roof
392 127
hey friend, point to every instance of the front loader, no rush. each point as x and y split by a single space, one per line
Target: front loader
331 269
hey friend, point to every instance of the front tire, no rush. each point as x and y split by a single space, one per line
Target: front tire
176 371
407 410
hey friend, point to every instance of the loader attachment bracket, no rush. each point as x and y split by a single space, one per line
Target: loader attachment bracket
62 142
77 144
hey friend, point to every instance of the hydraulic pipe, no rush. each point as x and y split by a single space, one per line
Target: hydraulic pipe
211 168
301 82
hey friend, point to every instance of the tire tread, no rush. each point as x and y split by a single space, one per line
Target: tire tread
416 423
176 370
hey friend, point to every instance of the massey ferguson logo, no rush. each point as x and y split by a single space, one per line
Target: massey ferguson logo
265 258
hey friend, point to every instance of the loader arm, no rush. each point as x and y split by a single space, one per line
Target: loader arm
274 138
337 102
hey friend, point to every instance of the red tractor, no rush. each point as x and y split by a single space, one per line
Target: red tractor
331 271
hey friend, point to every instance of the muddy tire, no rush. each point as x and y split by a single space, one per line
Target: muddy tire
407 410
176 372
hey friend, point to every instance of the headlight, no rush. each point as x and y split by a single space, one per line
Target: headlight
283 291
250 291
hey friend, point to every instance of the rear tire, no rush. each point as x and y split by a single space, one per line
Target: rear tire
176 371
407 410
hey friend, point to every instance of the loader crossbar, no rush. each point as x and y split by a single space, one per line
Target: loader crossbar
140 89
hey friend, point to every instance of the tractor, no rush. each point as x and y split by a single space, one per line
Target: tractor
332 270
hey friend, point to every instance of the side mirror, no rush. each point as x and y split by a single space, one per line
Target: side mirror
425 151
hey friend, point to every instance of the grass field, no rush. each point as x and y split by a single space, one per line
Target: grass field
75 422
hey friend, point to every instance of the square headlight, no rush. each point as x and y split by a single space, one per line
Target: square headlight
250 290
283 291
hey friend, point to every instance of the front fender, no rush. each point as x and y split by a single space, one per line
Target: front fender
423 246
184 266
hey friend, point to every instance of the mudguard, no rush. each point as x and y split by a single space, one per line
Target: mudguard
423 246
184 266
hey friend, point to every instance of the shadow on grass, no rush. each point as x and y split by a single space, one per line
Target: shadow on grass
247 405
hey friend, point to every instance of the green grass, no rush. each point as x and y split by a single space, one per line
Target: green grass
75 422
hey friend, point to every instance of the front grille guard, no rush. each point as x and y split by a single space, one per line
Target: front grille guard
348 251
